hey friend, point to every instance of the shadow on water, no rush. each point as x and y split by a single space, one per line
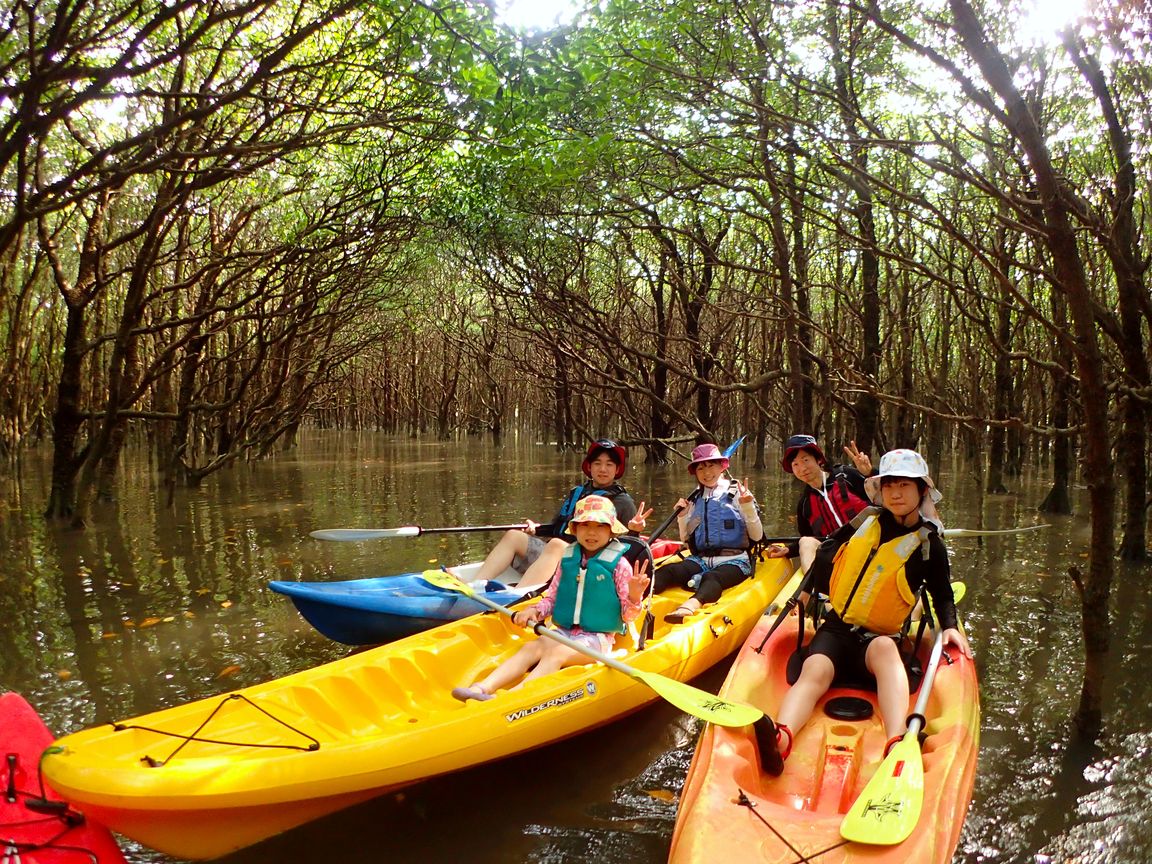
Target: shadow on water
153 606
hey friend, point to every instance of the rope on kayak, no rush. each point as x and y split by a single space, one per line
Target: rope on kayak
157 763
801 858
52 812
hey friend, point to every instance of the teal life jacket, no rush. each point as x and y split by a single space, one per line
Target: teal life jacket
587 598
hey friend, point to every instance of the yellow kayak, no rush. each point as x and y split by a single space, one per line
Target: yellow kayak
203 779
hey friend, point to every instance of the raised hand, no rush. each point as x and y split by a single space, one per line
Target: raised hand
640 520
862 461
638 584
744 494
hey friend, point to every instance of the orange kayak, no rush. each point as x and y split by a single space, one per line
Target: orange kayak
731 811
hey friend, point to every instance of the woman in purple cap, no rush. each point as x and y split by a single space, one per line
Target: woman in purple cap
719 526
835 494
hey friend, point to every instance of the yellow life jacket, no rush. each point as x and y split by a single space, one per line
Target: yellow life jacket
869 587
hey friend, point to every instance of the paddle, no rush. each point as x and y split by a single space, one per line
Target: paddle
698 703
988 532
405 531
889 806
948 532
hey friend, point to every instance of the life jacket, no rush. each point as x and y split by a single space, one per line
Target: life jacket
825 515
717 524
869 586
586 597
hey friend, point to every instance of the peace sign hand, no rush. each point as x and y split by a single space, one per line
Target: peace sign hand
745 494
862 461
640 520
639 582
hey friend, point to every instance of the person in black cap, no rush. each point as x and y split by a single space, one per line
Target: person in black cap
536 551
835 494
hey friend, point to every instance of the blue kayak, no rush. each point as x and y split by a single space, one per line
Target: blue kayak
385 608
381 609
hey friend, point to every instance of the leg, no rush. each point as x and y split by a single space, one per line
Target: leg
808 547
815 679
513 543
675 574
554 657
714 581
512 669
883 661
774 741
544 567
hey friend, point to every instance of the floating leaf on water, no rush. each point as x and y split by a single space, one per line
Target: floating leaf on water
64 674
149 622
226 604
107 635
433 560
660 794
168 619
228 671
188 613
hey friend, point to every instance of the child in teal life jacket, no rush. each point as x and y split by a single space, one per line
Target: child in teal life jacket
894 552
596 593
535 552
719 527
835 494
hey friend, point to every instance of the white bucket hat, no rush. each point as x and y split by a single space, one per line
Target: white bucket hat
907 463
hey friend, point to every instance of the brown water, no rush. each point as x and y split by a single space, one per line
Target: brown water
154 606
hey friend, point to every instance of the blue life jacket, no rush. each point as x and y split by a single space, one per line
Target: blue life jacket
719 524
587 598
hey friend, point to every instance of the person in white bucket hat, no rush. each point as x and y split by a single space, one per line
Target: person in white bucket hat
872 574
908 463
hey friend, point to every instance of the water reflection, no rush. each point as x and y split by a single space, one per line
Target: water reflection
154 606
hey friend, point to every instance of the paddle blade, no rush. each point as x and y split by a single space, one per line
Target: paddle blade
698 703
981 532
888 809
444 579
345 534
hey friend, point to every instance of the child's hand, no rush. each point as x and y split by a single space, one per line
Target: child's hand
681 506
777 550
638 522
638 584
532 526
745 494
526 617
955 637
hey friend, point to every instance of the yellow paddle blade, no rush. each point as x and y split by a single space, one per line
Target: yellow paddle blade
959 589
889 807
699 703
442 579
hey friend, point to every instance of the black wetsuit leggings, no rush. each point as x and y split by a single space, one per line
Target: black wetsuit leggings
712 583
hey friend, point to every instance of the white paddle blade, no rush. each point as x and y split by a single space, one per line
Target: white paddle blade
351 534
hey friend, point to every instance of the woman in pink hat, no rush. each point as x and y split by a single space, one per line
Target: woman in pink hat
719 526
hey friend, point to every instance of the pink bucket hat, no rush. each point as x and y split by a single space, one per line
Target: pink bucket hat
706 453
596 508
